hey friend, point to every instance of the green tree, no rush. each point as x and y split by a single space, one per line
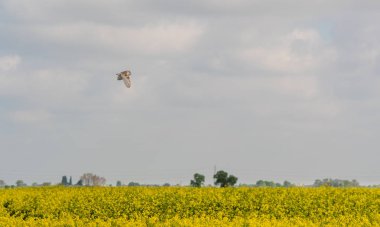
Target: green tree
354 183
2 183
20 183
198 181
64 181
80 182
118 183
261 183
232 180
328 182
224 180
287 184
133 184
317 183
265 183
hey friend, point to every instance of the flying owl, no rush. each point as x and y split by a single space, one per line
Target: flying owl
126 77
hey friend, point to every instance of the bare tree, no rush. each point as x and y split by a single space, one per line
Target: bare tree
89 179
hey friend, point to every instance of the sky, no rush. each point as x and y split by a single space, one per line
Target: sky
273 90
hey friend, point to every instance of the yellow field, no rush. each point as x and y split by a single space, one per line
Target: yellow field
172 206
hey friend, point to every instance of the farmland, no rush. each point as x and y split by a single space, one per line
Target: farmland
185 206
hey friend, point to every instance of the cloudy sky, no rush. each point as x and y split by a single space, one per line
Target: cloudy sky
275 90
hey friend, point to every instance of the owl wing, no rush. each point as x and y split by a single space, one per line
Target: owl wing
127 80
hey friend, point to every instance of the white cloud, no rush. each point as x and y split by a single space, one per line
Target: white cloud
47 87
31 116
301 87
162 38
7 79
369 57
8 63
299 51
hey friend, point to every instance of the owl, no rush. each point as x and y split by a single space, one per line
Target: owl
126 77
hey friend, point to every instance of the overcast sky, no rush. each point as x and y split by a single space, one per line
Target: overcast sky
275 90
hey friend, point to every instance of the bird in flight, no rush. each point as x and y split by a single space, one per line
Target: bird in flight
126 77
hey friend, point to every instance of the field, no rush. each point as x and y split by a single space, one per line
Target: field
182 206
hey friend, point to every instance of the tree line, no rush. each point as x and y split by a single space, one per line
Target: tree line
87 179
221 178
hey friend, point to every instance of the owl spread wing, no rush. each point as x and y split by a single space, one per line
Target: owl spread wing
126 77
127 80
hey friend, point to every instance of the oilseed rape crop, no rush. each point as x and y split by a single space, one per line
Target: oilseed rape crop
183 206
